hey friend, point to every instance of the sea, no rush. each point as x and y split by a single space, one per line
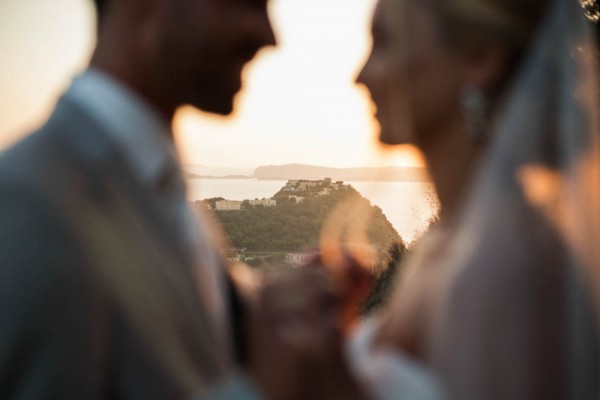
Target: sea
409 206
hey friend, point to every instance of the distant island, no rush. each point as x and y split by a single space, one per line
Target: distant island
312 172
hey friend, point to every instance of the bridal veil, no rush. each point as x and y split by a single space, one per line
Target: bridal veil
516 320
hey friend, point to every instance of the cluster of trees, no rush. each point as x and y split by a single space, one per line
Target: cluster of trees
297 227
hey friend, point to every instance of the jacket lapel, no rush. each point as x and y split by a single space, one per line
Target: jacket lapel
88 147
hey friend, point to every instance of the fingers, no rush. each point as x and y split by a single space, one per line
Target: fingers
351 280
298 330
303 308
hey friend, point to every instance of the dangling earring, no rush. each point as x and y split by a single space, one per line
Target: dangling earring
475 108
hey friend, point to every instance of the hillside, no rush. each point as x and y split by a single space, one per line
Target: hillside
264 236
295 227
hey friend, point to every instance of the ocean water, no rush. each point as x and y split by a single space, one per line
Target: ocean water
407 205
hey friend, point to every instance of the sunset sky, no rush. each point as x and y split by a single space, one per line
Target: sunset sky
299 103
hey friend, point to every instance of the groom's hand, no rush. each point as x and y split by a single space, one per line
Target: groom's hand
353 279
294 329
297 331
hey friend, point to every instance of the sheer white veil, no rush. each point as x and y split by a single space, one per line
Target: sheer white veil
516 319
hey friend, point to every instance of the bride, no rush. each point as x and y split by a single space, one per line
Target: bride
496 302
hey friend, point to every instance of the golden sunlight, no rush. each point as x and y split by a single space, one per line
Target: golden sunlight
43 44
300 103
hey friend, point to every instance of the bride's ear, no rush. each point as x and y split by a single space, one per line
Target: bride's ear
486 67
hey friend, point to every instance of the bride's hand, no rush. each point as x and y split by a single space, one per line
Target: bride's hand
293 328
351 275
297 333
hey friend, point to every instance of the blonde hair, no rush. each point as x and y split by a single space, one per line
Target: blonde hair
471 25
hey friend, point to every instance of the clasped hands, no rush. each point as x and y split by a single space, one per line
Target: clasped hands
297 327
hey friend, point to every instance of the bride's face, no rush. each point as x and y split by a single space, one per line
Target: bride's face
412 75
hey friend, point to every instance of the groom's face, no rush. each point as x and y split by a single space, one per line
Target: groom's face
203 46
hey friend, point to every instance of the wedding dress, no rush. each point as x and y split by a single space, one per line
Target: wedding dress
515 318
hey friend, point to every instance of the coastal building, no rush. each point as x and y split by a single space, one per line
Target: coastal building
264 202
291 184
228 205
304 185
299 258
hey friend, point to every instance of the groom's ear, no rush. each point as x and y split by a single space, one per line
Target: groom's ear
487 67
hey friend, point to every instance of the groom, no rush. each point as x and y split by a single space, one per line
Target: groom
109 289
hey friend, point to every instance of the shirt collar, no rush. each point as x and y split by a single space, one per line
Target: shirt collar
139 133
